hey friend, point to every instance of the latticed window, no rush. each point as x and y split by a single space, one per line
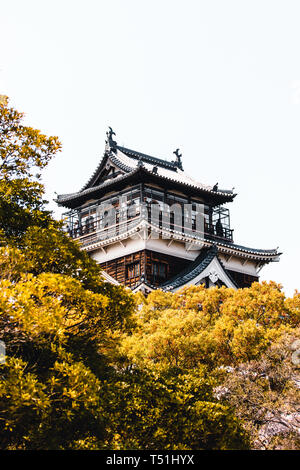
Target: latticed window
159 270
132 270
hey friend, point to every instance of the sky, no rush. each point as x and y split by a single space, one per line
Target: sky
218 79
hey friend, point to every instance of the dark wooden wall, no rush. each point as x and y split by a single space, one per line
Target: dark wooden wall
119 268
242 280
173 266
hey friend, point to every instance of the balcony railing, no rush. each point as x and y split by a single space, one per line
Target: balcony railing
94 231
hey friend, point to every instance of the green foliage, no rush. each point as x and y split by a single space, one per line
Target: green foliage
91 366
236 336
51 385
56 313
265 394
22 148
24 151
216 327
169 411
52 250
50 410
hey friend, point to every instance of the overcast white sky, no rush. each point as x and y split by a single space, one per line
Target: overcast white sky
218 79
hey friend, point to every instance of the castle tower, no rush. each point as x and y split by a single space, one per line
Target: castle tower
150 225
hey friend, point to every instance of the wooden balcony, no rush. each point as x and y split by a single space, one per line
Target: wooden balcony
93 232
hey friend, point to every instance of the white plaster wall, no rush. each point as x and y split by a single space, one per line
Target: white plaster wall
130 246
117 250
214 267
239 265
175 248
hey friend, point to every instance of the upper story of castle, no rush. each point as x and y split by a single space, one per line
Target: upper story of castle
135 185
132 194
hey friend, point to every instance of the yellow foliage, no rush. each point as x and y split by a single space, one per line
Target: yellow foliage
216 326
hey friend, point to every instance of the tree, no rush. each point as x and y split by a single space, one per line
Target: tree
91 366
169 410
216 327
24 151
55 331
241 339
58 389
56 313
265 394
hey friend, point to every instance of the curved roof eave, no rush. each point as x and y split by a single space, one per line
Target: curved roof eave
256 254
220 197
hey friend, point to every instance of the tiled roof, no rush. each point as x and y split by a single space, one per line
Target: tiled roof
194 269
133 154
129 161
108 278
245 249
167 171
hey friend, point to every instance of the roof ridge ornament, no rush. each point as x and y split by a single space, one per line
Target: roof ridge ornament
178 161
140 162
110 142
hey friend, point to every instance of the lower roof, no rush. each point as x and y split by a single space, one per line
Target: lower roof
195 269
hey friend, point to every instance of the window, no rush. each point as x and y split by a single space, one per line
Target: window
132 270
159 270
89 224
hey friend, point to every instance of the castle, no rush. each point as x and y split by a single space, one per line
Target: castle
150 225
